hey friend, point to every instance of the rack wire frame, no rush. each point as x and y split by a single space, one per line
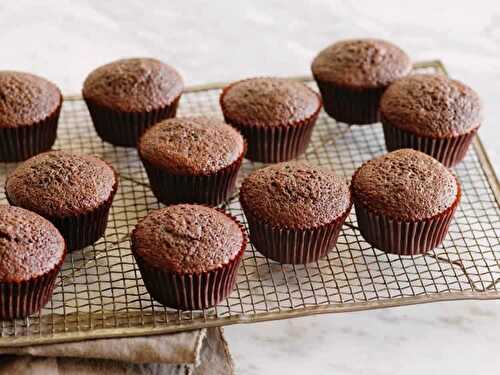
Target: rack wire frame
100 293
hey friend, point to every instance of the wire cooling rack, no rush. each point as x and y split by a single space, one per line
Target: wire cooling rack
99 292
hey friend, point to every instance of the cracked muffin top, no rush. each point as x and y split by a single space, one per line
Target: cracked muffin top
405 185
295 195
431 105
191 145
133 85
26 99
188 238
268 102
59 184
361 64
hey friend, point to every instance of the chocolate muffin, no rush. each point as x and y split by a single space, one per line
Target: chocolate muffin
353 74
404 201
295 211
31 254
73 191
192 159
431 113
276 116
29 111
188 255
127 96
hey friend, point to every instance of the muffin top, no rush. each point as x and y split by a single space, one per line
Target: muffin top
268 102
405 185
431 105
26 99
59 184
133 85
191 145
30 245
295 195
187 238
361 63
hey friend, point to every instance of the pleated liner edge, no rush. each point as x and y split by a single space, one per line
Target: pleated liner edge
125 128
293 245
191 291
21 299
449 151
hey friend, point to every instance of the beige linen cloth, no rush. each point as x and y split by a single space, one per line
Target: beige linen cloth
188 353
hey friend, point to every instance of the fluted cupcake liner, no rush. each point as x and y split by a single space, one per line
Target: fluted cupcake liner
211 189
21 299
293 246
359 107
273 144
191 291
22 142
86 228
125 128
276 144
404 237
449 151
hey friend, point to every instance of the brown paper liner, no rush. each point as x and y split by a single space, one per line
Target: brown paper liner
449 151
404 237
125 128
86 228
191 291
21 299
293 246
211 189
274 144
22 142
359 107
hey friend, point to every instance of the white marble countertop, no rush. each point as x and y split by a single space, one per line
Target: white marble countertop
226 40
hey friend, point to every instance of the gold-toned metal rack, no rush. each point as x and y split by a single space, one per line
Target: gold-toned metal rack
100 293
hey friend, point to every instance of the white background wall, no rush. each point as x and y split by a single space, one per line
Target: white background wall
225 40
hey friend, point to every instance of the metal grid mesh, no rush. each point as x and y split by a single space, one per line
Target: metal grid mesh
100 293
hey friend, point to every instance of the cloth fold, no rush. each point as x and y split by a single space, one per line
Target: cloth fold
195 352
